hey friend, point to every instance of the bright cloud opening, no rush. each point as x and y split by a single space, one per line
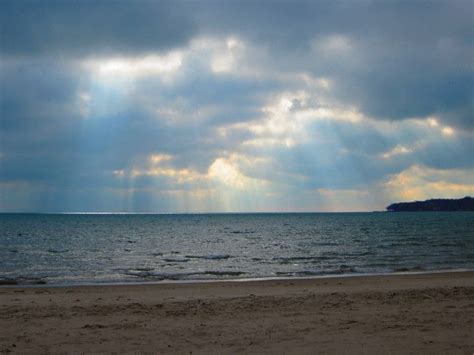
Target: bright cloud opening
227 173
133 67
398 150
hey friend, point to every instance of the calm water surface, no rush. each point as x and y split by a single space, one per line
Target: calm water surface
64 249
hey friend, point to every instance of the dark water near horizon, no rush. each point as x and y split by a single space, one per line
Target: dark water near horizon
74 248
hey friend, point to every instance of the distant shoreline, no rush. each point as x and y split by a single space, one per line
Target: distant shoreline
465 204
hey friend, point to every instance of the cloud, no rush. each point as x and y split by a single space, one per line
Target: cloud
380 57
420 183
219 105
62 28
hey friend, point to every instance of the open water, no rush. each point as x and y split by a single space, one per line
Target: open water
94 248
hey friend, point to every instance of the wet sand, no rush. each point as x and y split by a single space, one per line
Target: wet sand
426 313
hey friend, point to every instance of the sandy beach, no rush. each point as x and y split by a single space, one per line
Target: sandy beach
423 313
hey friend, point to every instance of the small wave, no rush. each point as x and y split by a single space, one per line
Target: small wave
364 253
345 269
209 257
294 258
406 243
149 275
408 269
143 269
243 232
5 281
325 244
104 257
176 260
299 273
224 273
330 254
450 244
57 251
299 259
142 274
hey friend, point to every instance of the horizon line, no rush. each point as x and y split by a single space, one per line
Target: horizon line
183 213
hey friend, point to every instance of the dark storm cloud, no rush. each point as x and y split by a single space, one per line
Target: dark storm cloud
295 23
454 155
39 121
407 59
410 86
36 93
412 58
59 27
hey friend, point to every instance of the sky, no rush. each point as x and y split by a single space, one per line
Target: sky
234 106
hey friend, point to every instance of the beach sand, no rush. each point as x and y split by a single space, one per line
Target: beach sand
425 313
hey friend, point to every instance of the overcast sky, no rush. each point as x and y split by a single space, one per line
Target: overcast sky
196 106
